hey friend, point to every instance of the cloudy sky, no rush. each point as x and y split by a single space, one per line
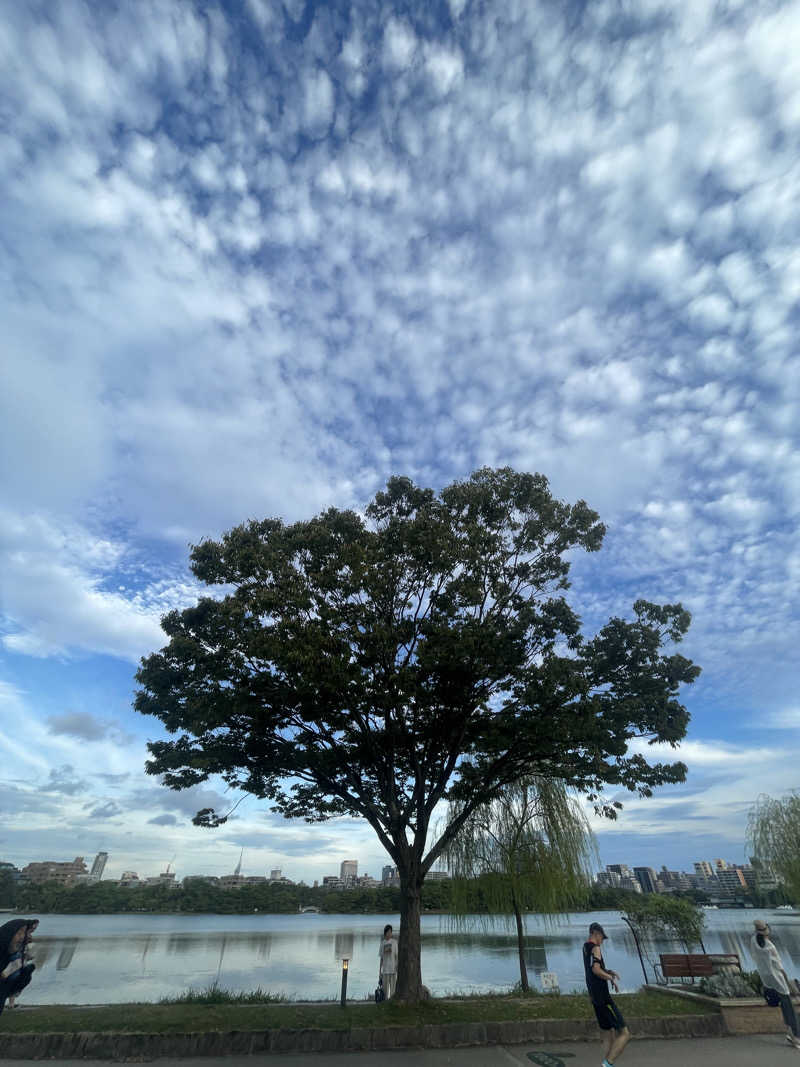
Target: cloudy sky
258 256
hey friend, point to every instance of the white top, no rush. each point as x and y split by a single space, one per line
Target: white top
388 956
768 964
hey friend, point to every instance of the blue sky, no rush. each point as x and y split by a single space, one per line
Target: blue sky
257 257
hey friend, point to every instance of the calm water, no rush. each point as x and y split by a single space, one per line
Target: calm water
96 959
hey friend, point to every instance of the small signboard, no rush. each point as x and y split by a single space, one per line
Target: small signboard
550 982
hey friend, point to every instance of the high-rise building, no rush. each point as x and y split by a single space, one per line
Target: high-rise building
275 875
704 870
732 880
647 879
99 865
348 872
622 869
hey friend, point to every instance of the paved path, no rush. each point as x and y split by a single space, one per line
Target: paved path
760 1050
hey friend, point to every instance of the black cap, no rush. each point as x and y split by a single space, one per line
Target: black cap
596 928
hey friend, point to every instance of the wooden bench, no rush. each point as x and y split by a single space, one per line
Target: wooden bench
701 965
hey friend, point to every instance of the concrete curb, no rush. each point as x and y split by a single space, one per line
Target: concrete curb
257 1042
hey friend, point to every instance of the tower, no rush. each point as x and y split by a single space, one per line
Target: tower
98 866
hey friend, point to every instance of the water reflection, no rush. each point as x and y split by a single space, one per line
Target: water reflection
344 946
97 959
66 954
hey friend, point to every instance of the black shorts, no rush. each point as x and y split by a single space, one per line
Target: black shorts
609 1017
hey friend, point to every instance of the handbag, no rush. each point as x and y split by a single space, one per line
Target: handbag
380 993
771 996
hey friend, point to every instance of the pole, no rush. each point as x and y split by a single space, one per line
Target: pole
345 963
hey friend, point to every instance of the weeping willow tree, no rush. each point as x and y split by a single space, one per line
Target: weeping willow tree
529 849
773 834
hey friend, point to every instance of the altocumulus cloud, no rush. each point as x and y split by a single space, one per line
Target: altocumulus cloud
265 256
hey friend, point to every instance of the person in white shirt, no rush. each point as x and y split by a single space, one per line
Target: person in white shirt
769 966
387 968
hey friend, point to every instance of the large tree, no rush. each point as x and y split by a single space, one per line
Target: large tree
374 665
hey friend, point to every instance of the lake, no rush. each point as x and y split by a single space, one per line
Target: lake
101 959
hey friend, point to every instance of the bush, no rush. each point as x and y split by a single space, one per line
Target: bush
728 986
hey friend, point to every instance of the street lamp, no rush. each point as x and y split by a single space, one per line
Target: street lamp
345 964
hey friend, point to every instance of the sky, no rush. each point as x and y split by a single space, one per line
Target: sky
257 257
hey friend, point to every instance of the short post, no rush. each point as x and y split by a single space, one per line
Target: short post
345 963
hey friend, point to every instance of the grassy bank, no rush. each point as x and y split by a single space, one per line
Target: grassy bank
193 1017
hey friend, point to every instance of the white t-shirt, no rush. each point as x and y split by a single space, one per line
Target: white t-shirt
769 966
388 956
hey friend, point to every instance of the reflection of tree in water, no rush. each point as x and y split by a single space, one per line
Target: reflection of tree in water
67 952
187 944
787 940
41 951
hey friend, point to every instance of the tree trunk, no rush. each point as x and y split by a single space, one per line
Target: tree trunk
409 969
523 970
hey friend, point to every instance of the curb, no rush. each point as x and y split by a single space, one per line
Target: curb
257 1042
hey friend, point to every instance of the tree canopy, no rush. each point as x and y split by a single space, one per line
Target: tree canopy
374 665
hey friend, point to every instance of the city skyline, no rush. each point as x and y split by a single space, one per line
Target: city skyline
275 254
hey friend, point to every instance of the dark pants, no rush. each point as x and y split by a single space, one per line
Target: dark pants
789 1017
15 983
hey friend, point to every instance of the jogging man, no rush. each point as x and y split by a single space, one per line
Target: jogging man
608 1014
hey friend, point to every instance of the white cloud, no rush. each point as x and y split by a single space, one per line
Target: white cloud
399 44
245 285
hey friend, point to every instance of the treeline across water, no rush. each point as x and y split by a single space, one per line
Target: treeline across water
103 898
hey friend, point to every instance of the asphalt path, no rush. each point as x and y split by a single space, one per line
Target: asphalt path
763 1050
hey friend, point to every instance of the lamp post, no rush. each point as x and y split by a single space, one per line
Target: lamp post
345 964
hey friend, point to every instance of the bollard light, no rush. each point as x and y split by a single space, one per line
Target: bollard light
345 964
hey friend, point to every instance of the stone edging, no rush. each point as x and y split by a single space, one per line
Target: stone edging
253 1042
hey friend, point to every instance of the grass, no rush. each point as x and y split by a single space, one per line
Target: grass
190 1016
215 994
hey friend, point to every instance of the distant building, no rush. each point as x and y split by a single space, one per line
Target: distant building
765 878
99 865
437 876
732 880
166 878
9 868
331 881
55 871
348 871
275 874
129 880
608 880
647 879
622 869
390 876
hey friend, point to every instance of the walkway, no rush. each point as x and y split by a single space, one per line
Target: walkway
763 1050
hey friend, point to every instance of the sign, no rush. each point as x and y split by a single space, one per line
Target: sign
550 982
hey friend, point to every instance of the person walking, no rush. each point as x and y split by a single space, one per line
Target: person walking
609 1017
774 977
387 966
15 974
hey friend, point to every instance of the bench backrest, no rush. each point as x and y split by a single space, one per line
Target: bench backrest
686 966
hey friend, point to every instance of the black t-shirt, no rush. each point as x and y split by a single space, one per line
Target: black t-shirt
598 987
